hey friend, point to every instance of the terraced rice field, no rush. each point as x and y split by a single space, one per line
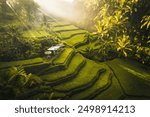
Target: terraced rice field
37 34
72 76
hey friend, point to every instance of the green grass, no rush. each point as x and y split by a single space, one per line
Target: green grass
72 68
59 23
36 68
83 78
89 45
22 62
37 34
101 84
64 56
132 83
114 92
75 40
136 68
58 95
68 34
63 28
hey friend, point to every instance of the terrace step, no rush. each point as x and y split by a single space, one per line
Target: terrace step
82 80
75 40
69 34
36 68
133 78
64 57
102 83
38 34
88 45
4 65
60 62
64 28
72 70
48 96
58 24
113 92
58 95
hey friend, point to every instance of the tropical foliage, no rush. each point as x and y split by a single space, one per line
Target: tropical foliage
16 83
123 23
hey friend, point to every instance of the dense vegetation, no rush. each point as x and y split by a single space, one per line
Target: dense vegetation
16 47
24 10
15 83
19 18
121 26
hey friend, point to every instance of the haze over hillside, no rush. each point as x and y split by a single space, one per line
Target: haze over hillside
60 8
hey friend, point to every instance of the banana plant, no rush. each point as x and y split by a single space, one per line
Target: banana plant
124 45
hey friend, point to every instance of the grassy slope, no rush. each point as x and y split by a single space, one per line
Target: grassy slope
21 62
133 81
73 66
114 92
102 83
58 23
68 34
89 45
75 40
63 28
83 78
63 56
37 34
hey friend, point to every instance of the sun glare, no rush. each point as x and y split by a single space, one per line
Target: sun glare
62 8
69 0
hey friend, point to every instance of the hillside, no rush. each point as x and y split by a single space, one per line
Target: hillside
70 75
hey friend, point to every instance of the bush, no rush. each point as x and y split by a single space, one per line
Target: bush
15 82
122 27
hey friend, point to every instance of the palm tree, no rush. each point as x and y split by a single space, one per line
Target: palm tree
18 83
